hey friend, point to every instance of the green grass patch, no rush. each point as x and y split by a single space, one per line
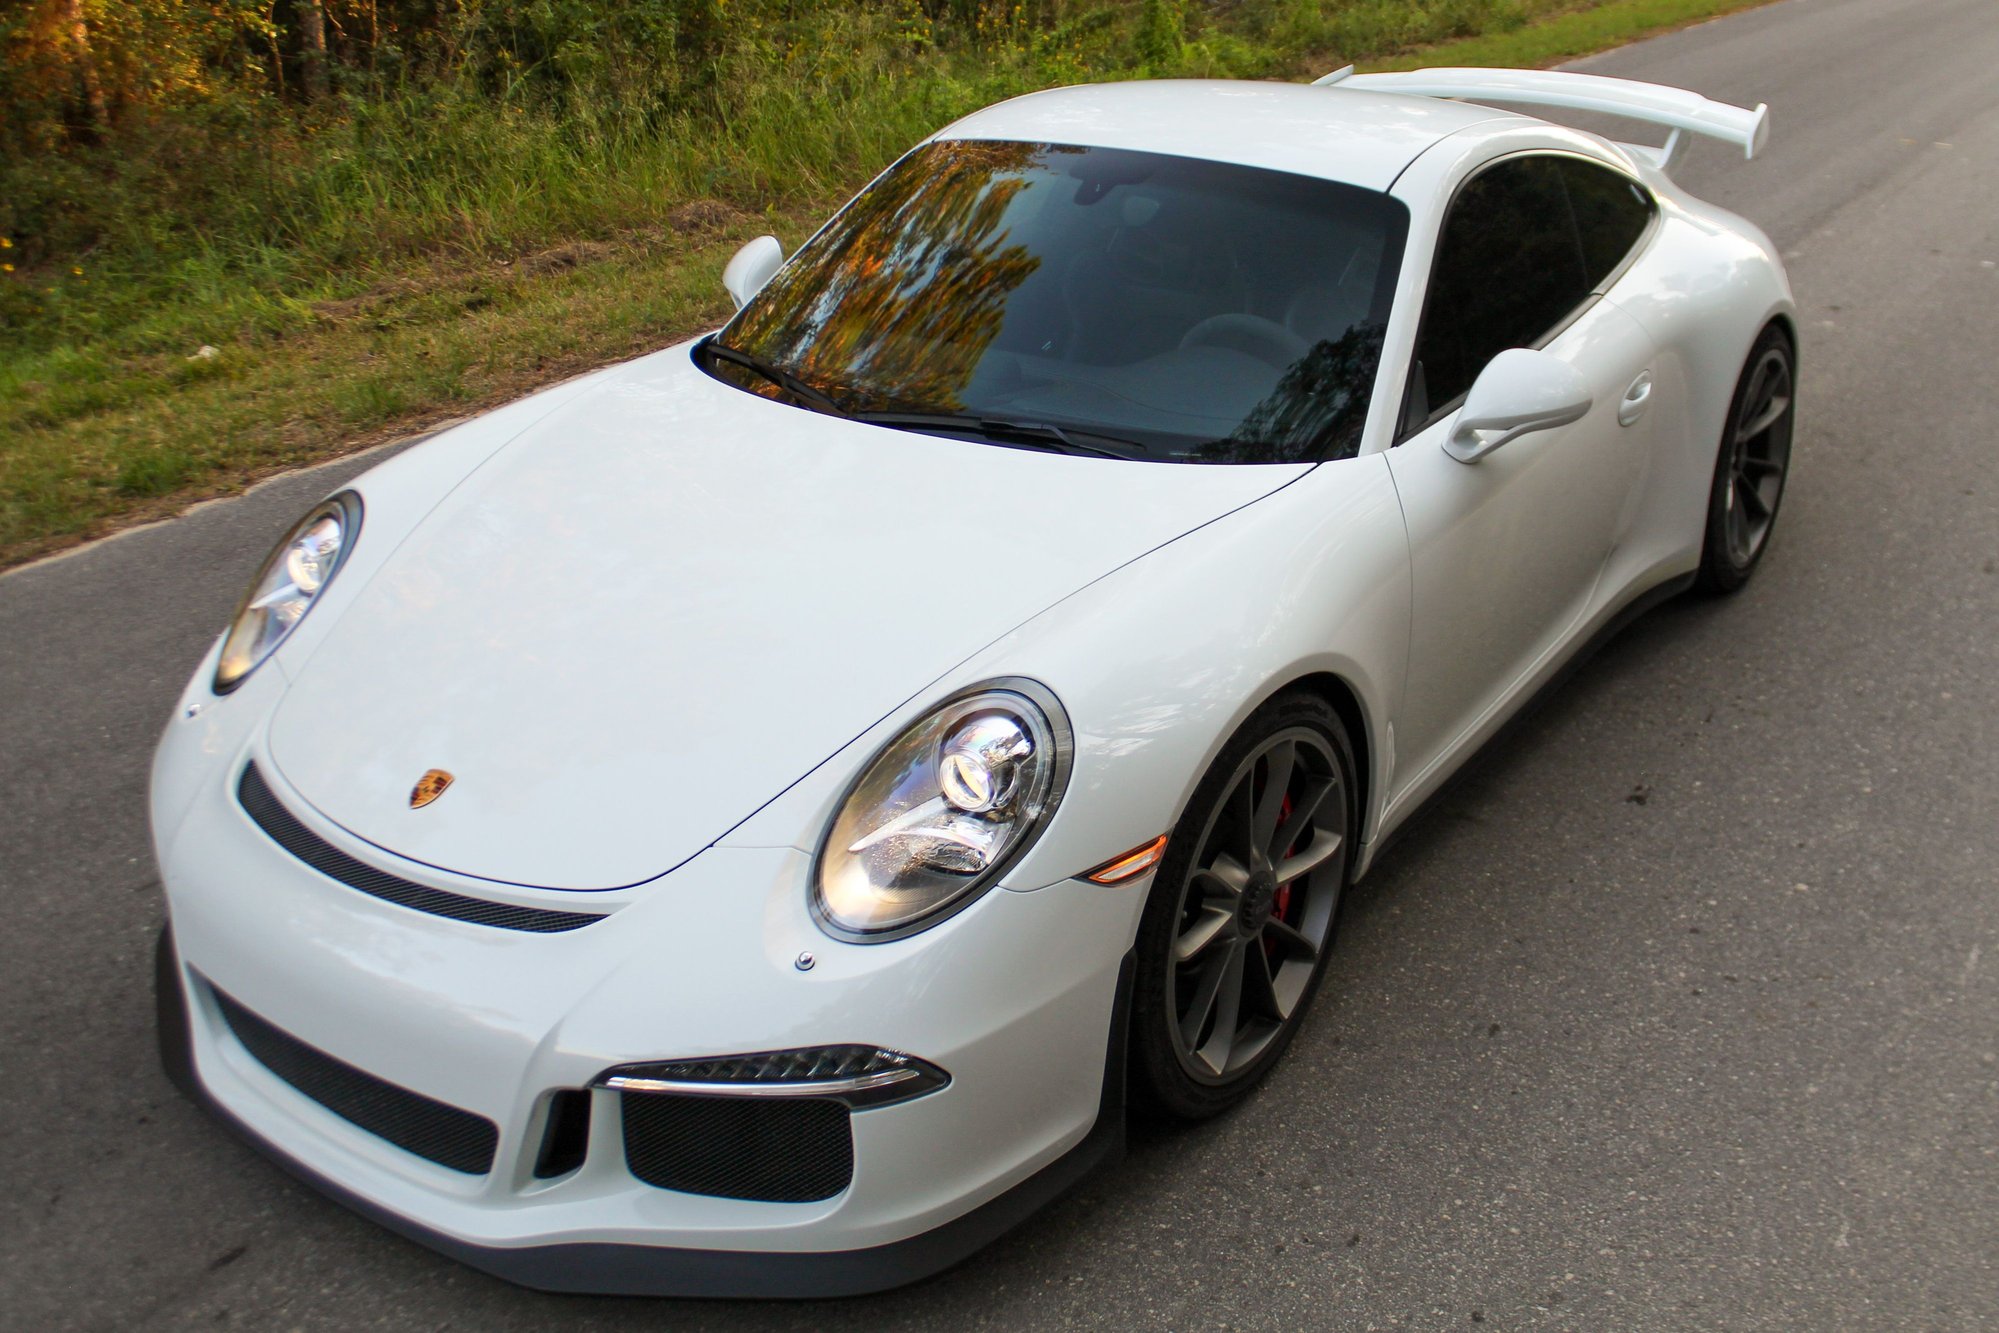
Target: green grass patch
1566 35
364 370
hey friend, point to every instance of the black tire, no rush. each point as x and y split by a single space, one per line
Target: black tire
1751 465
1184 1064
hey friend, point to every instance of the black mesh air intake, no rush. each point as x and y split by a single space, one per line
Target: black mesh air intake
285 830
777 1150
413 1122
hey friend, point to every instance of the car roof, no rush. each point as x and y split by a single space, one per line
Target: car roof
1342 134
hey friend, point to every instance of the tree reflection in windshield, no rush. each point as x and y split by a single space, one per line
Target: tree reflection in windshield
1315 400
1198 311
900 309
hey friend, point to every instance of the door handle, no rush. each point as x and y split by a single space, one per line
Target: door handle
1636 399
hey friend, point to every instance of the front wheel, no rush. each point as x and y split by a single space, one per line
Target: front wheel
1235 936
1754 459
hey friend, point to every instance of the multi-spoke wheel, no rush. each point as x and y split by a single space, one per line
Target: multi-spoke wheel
1749 473
1236 934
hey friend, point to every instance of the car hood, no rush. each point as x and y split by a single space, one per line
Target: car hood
668 600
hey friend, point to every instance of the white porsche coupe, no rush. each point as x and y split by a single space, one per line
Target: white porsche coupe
747 821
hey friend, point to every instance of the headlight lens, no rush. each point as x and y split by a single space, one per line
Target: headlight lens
294 575
941 812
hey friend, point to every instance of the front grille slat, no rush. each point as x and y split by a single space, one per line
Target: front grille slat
263 806
437 1131
794 1150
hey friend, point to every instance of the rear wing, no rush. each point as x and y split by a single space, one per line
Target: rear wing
1681 111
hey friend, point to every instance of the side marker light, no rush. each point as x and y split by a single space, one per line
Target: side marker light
1130 865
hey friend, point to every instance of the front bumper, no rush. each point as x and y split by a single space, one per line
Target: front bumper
653 1270
1015 997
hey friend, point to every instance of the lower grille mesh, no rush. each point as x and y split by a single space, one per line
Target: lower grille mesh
413 1122
780 1150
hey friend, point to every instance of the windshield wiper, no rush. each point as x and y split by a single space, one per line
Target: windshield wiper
776 374
1001 430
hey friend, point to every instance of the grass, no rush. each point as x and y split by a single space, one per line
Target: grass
131 440
495 256
1568 34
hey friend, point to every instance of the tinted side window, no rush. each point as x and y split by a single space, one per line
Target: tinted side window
1507 268
1612 212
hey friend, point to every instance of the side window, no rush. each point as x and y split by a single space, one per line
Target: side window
1612 212
1508 267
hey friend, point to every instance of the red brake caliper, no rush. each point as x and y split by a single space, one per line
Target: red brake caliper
1280 906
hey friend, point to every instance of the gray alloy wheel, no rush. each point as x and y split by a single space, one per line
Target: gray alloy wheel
1243 911
1753 462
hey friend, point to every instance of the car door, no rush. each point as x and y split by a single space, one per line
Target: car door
1506 552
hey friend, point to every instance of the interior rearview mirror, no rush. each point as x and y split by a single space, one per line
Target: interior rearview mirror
751 267
1519 392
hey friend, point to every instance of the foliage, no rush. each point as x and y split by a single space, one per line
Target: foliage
488 127
143 57
1161 38
172 180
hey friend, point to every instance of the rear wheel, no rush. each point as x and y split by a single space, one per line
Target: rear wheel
1754 459
1242 915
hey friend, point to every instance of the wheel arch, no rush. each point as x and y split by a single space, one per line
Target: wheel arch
1340 695
1786 320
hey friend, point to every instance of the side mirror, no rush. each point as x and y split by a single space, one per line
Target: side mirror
1518 392
751 267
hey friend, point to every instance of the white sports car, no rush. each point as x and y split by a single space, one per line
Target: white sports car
746 822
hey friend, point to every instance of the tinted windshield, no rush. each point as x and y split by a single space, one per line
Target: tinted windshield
1177 309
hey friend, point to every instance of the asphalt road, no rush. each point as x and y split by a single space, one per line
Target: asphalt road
1682 1012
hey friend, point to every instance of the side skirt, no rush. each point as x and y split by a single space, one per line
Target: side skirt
1645 601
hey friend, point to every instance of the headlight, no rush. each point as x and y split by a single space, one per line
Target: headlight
294 575
941 812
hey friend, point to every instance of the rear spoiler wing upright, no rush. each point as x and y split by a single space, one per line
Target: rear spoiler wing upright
1681 111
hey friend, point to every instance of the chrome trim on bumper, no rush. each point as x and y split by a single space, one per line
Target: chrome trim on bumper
830 1087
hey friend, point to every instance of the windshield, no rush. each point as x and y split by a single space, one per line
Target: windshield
1157 307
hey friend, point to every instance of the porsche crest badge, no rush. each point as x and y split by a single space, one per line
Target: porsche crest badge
428 788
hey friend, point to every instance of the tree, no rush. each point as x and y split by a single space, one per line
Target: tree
312 47
86 67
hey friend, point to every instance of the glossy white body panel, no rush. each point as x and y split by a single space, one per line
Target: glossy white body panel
493 1020
656 626
744 591
1362 139
1214 622
1506 553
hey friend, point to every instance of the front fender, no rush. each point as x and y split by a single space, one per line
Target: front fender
1159 662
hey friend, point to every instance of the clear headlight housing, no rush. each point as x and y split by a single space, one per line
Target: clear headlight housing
285 589
941 812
